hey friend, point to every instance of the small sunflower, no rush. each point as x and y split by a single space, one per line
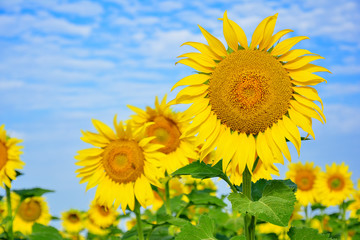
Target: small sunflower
9 158
73 221
355 206
31 210
123 165
167 128
304 175
247 100
95 229
259 172
334 185
101 215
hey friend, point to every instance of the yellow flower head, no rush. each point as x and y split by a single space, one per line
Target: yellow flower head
95 229
73 221
334 186
248 99
9 158
304 175
123 165
31 210
167 128
355 206
101 215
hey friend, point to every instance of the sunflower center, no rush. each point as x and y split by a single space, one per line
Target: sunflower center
30 211
336 183
104 211
123 161
166 132
74 218
3 155
305 180
249 91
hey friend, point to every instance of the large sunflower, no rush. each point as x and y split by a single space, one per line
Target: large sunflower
102 216
247 100
9 158
73 221
334 185
304 175
123 164
31 210
167 128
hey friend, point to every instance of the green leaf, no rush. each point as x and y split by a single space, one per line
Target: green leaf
203 231
242 237
41 232
316 206
306 234
33 192
163 218
200 170
202 198
275 205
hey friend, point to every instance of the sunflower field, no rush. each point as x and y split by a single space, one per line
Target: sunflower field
156 173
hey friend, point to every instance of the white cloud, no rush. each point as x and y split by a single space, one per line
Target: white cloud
342 118
340 89
346 69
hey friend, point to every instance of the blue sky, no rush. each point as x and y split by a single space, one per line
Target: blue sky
63 63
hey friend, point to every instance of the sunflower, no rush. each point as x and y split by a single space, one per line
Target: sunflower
95 229
304 175
31 210
101 215
355 206
123 164
9 158
259 172
248 100
334 185
73 221
167 127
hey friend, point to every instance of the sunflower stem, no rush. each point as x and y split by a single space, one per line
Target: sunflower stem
249 220
167 197
343 218
10 223
307 219
138 220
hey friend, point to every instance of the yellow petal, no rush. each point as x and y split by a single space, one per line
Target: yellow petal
286 45
293 132
229 33
104 129
269 30
309 104
214 43
259 33
240 34
197 121
197 107
211 141
264 151
305 110
251 145
278 157
195 65
209 125
276 37
302 121
279 139
312 68
301 76
200 58
241 156
204 49
300 62
292 54
195 79
89 152
192 91
309 93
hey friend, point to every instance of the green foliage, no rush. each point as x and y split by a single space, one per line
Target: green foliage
242 237
306 234
203 231
201 170
203 198
33 192
41 232
275 205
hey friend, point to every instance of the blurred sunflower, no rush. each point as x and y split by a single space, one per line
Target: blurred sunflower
9 158
167 128
304 175
31 210
355 206
73 221
95 229
334 185
101 215
123 165
248 100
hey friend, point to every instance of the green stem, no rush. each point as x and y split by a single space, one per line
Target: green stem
248 219
167 197
183 209
307 219
10 224
226 179
138 220
343 218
